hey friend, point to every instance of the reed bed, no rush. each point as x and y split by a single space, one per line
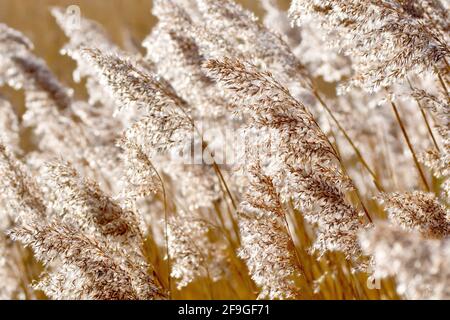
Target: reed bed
294 154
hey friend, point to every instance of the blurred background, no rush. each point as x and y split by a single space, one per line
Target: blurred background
127 21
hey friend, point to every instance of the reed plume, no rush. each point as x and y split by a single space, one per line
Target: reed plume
304 164
385 39
266 245
86 267
223 159
420 266
418 211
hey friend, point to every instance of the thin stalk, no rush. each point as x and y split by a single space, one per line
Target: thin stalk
216 167
358 195
230 214
363 206
444 86
347 137
225 230
424 116
408 142
225 185
387 157
446 63
166 229
336 153
293 243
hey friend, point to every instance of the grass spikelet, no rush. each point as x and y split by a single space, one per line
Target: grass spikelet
204 149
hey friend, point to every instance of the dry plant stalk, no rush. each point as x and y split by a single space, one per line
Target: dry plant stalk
208 167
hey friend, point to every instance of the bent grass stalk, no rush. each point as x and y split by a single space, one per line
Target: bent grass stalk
410 146
132 244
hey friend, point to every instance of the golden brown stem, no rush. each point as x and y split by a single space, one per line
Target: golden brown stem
225 185
288 230
424 116
444 86
358 195
360 157
216 167
408 142
347 137
166 231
